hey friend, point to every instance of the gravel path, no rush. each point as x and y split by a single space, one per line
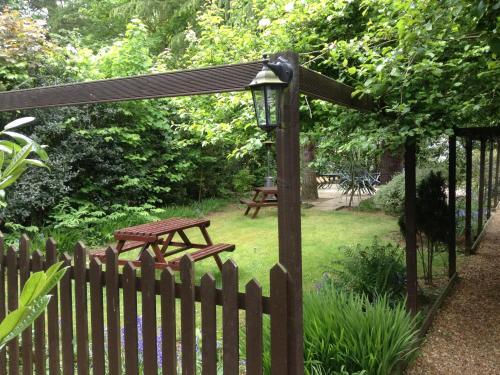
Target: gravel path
465 336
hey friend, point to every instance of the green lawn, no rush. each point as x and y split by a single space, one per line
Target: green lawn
323 233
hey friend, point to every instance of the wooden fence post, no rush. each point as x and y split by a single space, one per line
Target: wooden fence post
254 344
230 324
209 325
468 196
12 304
3 310
480 210
410 224
24 274
81 306
497 167
53 314
150 353
113 312
452 171
490 179
130 320
66 323
97 317
40 345
279 307
289 228
188 313
168 322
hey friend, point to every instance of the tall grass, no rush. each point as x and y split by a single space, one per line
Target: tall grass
346 334
346 329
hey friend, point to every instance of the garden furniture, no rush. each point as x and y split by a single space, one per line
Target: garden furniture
263 197
159 236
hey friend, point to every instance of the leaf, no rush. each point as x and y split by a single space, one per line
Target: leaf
19 122
18 159
21 138
9 323
36 163
30 288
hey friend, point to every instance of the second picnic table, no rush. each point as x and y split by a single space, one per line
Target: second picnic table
159 236
263 197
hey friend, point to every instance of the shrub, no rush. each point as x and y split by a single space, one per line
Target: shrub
432 217
373 270
346 334
243 180
391 197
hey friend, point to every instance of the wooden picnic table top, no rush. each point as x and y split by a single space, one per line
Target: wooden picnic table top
150 232
267 189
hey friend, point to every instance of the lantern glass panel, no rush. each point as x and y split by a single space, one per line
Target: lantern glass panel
273 103
259 103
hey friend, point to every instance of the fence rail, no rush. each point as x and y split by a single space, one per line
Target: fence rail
91 324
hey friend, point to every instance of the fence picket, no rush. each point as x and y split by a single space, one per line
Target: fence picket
254 348
188 328
208 325
82 323
130 319
74 330
67 318
53 313
168 323
150 352
40 346
97 317
230 326
279 312
12 302
3 291
24 274
113 312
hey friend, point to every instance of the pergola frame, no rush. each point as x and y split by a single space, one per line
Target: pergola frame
213 80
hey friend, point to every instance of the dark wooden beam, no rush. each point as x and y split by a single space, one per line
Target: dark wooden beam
289 220
479 132
318 86
216 79
468 196
480 198
410 225
452 181
490 180
496 173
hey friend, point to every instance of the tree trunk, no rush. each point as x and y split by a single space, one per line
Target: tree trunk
391 162
309 182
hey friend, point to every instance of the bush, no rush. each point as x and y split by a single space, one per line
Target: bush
243 181
346 334
372 270
432 218
391 197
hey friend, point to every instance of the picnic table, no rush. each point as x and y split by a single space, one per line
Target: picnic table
263 197
160 238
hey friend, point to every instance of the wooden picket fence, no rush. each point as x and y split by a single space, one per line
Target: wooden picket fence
90 326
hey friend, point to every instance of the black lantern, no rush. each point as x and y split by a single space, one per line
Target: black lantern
267 87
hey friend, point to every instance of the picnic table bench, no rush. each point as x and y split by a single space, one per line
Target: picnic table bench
159 236
263 197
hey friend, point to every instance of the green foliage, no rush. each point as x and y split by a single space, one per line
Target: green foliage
345 333
243 181
432 218
374 270
33 301
391 197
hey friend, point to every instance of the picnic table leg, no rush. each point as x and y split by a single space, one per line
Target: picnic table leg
257 209
158 254
218 261
207 238
254 199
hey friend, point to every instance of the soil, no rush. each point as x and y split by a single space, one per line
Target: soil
465 336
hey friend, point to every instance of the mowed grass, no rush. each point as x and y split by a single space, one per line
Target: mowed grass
323 235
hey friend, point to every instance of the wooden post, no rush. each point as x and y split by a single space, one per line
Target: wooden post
496 174
289 231
490 180
452 177
480 203
410 223
468 196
